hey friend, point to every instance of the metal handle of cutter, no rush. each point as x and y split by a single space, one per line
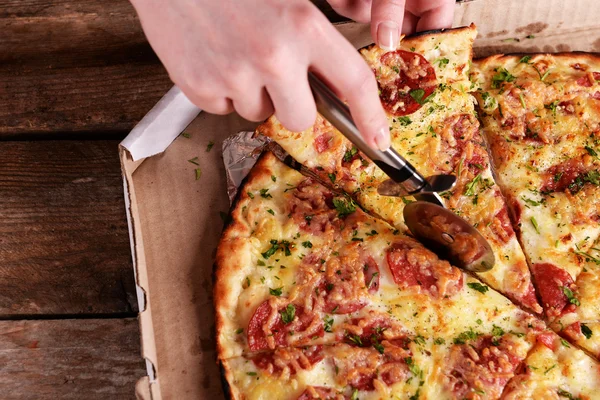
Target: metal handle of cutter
338 114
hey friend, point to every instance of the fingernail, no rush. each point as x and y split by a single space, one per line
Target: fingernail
388 35
382 139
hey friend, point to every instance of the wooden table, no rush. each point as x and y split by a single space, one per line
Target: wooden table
75 77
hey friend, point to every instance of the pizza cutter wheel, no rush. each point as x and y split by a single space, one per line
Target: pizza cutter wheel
438 228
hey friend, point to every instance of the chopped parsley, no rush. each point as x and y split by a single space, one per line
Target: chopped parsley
570 296
565 343
349 154
344 207
404 121
502 75
307 244
275 292
439 341
497 331
564 393
587 332
549 369
478 286
194 161
328 323
354 395
239 330
488 100
273 178
470 187
531 202
270 211
209 146
535 225
251 373
418 95
552 107
372 233
441 62
465 336
370 284
522 100
250 195
525 60
198 172
288 314
331 177
265 194
591 151
355 339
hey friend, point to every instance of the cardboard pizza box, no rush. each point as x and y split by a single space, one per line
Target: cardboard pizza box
174 215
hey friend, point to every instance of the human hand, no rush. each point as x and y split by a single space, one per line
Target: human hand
254 57
390 18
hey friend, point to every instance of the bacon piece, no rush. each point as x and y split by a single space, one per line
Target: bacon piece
551 282
322 142
486 364
415 82
415 266
311 207
589 79
321 393
267 330
286 362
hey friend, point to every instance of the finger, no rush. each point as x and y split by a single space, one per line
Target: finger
357 10
386 22
356 83
253 105
437 18
293 101
409 25
213 105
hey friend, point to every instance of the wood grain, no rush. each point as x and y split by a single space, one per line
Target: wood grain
77 66
64 246
70 359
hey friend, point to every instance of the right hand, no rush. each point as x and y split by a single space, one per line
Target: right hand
254 57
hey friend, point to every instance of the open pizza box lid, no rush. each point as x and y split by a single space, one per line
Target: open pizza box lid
175 219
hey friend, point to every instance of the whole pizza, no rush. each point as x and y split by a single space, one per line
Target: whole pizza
321 292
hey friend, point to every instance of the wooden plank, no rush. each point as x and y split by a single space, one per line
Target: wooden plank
70 359
64 244
77 66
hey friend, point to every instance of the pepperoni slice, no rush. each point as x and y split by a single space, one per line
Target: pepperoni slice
501 226
551 282
321 393
279 331
294 358
486 364
414 266
370 331
565 176
547 339
416 81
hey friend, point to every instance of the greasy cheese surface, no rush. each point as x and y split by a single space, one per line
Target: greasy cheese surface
432 139
444 308
541 116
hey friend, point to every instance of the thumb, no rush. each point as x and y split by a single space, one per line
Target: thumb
386 22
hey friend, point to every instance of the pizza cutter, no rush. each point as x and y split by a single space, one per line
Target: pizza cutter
438 228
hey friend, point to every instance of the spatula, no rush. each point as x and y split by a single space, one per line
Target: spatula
438 228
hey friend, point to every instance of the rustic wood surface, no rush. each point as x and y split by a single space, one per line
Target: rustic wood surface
79 70
64 244
69 359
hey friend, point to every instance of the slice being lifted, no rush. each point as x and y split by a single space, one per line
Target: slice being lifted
424 87
541 116
314 296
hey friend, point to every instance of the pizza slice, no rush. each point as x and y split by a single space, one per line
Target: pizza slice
424 87
285 282
541 115
554 369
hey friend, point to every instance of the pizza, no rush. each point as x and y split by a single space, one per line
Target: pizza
541 115
321 292
309 287
439 136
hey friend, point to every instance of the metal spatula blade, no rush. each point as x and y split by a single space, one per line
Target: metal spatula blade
449 235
